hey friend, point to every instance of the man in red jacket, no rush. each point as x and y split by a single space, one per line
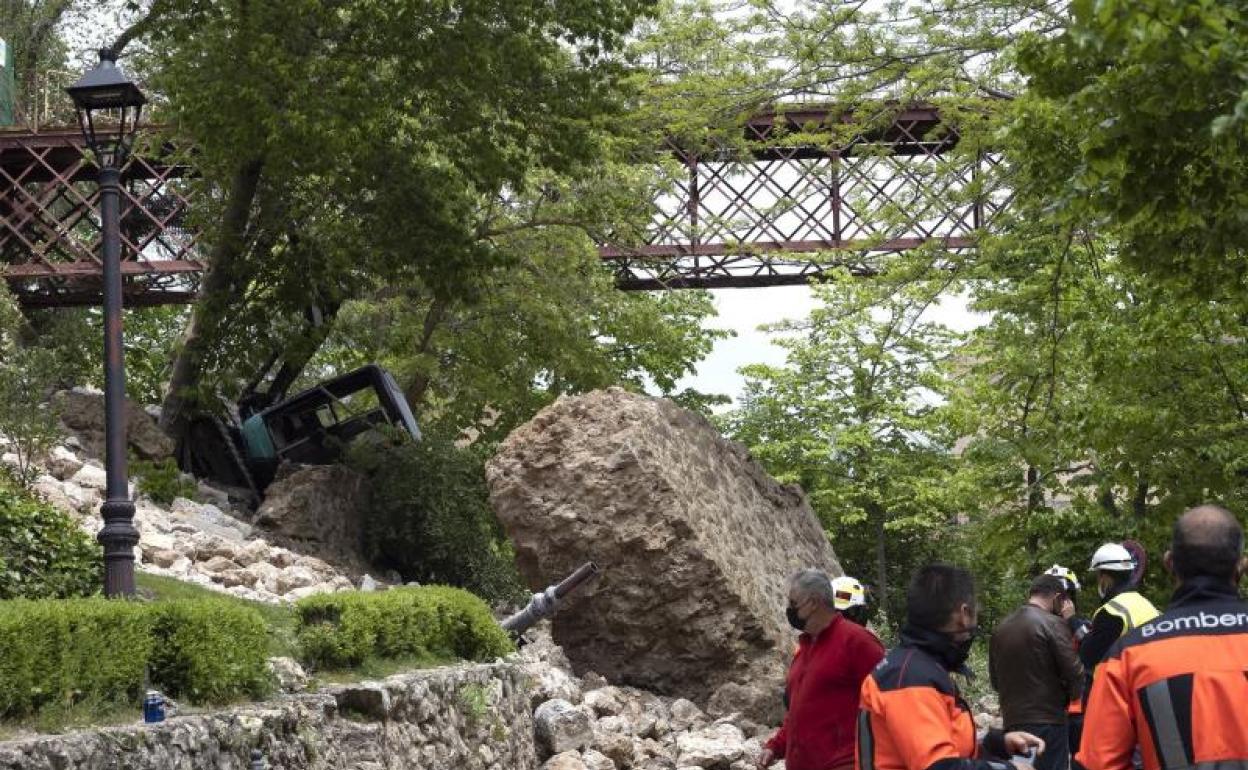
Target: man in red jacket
833 656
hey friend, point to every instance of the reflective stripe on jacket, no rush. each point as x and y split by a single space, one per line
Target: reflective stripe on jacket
1130 607
1177 686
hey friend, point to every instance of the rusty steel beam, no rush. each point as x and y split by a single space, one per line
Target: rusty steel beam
851 187
50 230
752 213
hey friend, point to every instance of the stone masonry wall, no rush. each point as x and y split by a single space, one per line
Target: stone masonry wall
475 717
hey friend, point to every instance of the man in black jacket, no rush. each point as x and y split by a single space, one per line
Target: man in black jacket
1033 665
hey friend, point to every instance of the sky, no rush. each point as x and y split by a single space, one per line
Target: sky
744 310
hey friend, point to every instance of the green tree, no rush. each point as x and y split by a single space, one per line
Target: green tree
545 322
1137 119
348 146
852 418
28 423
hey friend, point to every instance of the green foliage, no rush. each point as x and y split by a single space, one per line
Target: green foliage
430 622
209 651
28 424
850 417
59 653
73 337
430 516
547 322
162 481
1137 121
43 551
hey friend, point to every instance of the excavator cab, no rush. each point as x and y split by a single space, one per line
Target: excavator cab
244 449
312 427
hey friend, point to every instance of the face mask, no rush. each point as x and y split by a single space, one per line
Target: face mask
962 649
795 620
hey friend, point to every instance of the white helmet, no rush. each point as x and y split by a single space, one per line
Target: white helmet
848 592
1066 574
1112 557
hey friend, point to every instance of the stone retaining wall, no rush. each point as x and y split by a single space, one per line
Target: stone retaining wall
462 718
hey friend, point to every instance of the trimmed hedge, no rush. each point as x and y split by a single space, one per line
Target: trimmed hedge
345 629
62 653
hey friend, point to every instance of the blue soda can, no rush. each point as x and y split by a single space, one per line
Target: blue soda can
154 707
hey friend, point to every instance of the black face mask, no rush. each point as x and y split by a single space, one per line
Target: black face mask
797 622
960 651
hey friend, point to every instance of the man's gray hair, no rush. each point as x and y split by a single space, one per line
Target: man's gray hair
815 584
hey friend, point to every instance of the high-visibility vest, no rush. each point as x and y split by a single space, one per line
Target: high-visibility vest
1130 607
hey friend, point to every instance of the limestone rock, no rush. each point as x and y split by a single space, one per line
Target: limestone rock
717 746
559 726
289 674
604 701
617 746
161 557
90 477
696 542
597 761
256 551
82 412
63 463
219 564
317 509
566 760
295 577
686 715
763 703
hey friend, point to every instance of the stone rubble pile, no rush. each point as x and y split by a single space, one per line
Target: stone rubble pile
584 723
208 543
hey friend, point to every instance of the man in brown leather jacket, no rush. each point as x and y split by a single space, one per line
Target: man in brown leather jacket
1034 667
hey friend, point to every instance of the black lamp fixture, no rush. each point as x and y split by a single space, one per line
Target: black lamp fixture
109 106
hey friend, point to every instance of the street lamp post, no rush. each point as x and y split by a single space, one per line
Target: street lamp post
109 106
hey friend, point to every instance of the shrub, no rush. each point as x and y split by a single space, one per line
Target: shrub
209 650
345 629
430 518
43 551
66 652
27 376
162 482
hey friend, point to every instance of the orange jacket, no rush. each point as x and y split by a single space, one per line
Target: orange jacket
913 718
1177 686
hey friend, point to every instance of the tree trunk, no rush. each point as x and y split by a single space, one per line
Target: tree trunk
881 555
216 295
1035 500
416 389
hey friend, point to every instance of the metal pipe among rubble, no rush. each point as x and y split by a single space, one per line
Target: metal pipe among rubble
545 603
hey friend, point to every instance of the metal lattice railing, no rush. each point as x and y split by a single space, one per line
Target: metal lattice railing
776 210
805 191
50 229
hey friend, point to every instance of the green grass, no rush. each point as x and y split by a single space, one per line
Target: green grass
280 618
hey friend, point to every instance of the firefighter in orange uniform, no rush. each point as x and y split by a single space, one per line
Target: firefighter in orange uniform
912 716
1178 684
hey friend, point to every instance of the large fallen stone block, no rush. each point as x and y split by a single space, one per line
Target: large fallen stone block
82 412
695 540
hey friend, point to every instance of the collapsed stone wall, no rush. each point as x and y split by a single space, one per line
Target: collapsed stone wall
474 717
695 540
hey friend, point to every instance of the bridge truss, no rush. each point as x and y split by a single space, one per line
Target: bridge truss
806 192
802 195
50 228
